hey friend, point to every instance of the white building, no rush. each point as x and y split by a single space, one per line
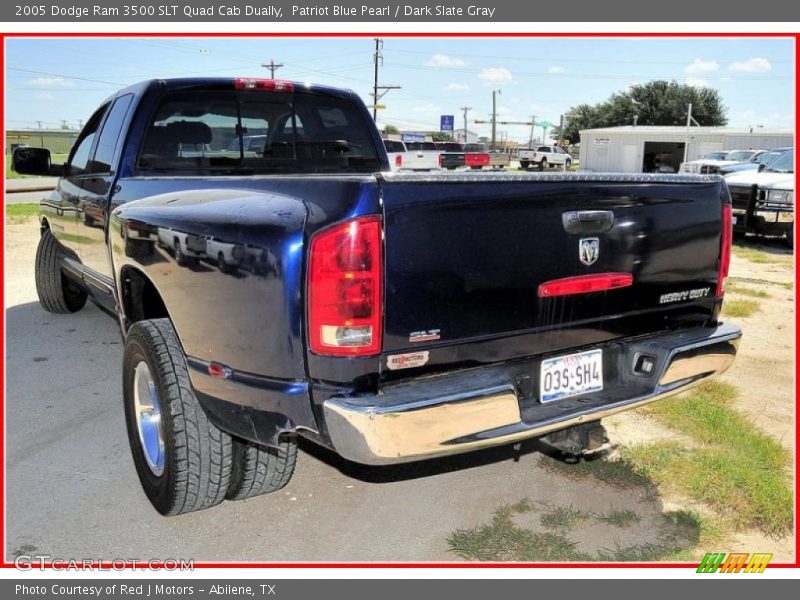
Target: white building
471 137
630 149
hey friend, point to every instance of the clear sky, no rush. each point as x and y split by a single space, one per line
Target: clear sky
55 80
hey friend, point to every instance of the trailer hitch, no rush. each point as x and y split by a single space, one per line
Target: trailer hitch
574 443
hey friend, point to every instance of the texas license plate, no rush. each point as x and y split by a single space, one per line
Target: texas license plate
572 375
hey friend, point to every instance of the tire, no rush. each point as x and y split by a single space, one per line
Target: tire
568 164
543 164
261 470
57 294
790 237
192 468
180 257
523 164
223 264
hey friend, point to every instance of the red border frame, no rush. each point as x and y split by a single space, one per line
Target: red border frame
426 565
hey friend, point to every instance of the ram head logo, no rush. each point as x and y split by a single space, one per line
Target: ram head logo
589 250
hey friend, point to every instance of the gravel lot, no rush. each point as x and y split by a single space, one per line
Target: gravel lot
72 491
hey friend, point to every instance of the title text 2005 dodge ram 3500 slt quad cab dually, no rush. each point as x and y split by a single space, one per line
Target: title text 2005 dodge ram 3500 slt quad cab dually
296 287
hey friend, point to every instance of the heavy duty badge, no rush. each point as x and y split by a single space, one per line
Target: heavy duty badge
589 250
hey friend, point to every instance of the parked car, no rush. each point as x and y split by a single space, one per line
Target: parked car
228 256
397 152
406 315
455 155
755 163
186 248
763 201
545 156
404 158
499 159
714 161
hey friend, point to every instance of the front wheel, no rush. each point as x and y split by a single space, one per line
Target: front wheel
57 294
790 237
183 460
524 164
568 164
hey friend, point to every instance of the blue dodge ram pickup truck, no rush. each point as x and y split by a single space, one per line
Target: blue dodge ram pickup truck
273 279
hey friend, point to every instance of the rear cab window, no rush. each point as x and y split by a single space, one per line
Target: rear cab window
394 146
217 131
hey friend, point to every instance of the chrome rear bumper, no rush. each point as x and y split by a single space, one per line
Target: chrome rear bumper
386 429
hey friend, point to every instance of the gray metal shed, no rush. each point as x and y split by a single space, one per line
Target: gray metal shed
630 149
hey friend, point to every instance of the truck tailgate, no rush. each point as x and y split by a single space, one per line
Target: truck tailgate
467 256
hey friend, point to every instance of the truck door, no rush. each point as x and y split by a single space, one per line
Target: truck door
61 205
96 186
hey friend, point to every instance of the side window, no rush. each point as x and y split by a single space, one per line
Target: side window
109 136
79 159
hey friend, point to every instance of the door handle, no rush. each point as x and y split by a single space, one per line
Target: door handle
587 221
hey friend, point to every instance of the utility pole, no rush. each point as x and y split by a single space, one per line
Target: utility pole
494 116
272 66
375 95
689 120
533 124
41 135
466 109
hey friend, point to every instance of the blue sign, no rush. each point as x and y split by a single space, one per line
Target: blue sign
446 122
413 137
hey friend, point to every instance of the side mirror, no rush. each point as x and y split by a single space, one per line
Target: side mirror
761 167
31 161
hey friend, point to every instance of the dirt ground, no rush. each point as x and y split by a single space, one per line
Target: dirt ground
72 491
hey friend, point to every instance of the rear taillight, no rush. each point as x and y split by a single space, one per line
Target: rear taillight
441 160
726 239
344 289
268 85
398 161
585 284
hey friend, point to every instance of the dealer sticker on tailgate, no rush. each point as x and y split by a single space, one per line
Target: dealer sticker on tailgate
572 375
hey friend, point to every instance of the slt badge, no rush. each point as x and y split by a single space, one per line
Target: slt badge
589 250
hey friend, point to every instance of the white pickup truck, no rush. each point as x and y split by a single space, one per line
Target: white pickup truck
544 156
402 157
713 162
763 200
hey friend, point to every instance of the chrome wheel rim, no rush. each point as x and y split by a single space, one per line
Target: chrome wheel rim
148 418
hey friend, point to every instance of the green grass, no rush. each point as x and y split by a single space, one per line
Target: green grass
739 308
502 540
17 213
562 518
622 518
738 470
789 285
676 536
11 174
741 290
760 256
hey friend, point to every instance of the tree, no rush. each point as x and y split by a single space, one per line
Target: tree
655 103
441 136
390 130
